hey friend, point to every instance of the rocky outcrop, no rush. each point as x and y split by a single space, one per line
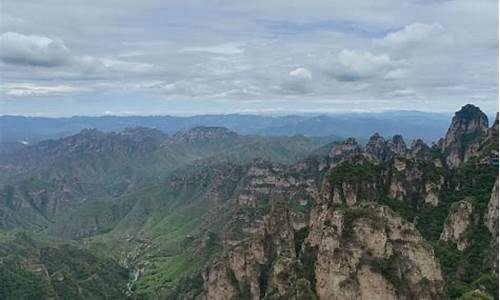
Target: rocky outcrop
362 252
344 150
264 181
488 150
491 221
218 283
265 263
397 145
353 180
411 179
377 147
419 149
380 149
468 128
460 217
368 252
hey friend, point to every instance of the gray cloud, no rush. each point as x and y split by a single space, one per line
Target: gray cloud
32 50
200 52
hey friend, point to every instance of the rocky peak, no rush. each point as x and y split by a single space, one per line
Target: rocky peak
468 128
495 123
468 120
419 148
344 150
377 147
397 145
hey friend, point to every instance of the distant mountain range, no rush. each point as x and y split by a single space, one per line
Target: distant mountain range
411 124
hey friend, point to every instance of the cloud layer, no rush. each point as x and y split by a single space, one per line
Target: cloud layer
178 57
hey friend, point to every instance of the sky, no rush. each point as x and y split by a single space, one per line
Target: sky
122 57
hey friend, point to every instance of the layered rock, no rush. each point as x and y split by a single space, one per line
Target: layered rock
460 217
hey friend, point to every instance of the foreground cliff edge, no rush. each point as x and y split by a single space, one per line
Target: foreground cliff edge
198 215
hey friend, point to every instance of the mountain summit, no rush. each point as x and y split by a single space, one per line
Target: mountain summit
468 127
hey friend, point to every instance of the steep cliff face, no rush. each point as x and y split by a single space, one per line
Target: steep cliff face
491 221
265 263
351 180
457 223
468 128
368 251
416 181
360 252
351 247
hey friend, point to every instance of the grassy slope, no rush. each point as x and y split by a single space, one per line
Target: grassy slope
40 267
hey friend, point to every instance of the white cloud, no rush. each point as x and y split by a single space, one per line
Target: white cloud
403 93
226 49
359 64
411 34
395 74
125 66
302 73
29 89
32 50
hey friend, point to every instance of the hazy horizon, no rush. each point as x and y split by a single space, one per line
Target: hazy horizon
490 114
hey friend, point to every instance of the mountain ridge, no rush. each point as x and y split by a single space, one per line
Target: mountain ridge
33 129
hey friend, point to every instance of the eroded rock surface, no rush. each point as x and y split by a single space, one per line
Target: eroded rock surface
491 221
460 217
